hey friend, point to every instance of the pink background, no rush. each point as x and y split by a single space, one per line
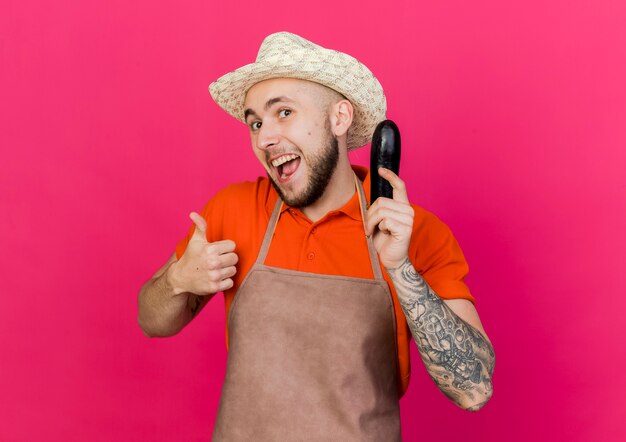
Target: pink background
513 120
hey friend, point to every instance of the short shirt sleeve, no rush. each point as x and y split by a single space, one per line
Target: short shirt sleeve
437 256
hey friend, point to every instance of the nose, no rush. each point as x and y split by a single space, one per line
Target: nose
268 135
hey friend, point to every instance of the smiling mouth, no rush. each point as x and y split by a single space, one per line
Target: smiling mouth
286 166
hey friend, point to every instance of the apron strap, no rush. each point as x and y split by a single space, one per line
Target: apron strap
269 232
378 274
271 226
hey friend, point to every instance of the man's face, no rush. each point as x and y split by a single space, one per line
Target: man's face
291 137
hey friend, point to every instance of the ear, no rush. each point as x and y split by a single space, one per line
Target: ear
341 114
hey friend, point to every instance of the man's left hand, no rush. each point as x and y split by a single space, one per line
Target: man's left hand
390 221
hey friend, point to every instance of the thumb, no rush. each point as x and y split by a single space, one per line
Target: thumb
200 232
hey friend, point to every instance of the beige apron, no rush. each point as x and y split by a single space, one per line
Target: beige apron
312 357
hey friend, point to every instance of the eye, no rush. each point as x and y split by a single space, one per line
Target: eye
284 113
255 125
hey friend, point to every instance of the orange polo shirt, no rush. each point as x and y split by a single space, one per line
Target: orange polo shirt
334 245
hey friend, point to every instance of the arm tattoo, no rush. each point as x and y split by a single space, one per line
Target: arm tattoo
457 356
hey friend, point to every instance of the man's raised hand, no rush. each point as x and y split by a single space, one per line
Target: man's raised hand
391 222
206 267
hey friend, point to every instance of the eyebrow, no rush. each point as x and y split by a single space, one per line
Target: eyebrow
268 104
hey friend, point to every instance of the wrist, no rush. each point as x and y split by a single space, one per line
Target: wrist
171 281
396 264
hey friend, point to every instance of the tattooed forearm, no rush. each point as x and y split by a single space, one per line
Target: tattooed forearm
457 356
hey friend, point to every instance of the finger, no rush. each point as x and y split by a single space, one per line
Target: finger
228 272
385 218
392 204
225 285
399 188
221 247
219 285
222 273
402 212
201 226
220 261
229 259
393 227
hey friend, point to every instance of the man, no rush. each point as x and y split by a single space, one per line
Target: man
321 291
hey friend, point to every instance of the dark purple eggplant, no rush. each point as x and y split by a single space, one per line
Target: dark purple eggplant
385 153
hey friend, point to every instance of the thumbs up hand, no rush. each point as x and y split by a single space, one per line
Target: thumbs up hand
206 267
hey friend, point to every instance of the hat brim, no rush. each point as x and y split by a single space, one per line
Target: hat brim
359 86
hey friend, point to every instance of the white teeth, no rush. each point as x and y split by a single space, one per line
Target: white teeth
282 160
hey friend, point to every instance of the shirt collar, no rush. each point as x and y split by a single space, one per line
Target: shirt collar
353 208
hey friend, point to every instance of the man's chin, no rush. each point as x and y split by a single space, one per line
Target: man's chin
292 199
313 180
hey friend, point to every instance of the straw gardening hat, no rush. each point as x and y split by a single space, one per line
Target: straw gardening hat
286 55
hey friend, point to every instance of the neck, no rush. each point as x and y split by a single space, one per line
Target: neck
338 192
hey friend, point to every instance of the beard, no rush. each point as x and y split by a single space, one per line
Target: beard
321 166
